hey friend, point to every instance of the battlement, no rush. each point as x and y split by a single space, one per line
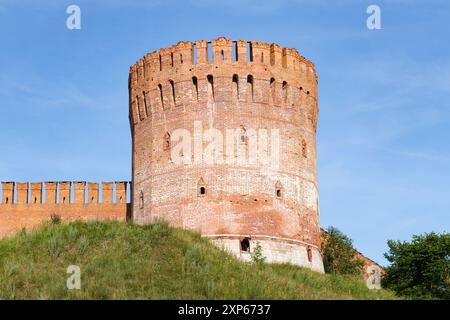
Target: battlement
188 75
64 193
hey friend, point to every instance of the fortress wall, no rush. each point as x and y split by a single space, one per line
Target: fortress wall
24 205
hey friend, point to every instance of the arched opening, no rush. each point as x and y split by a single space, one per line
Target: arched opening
161 95
172 86
7 200
210 87
278 189
195 85
64 200
285 92
235 87
272 90
166 143
35 200
249 88
309 251
245 245
201 187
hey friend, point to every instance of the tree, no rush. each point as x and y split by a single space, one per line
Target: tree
339 256
419 269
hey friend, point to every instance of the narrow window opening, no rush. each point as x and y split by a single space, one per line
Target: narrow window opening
235 88
249 88
181 58
147 111
171 59
304 149
195 83
7 200
160 63
64 199
222 55
121 199
285 89
166 143
92 199
172 85
201 186
243 135
35 200
272 90
211 87
245 245
161 95
139 108
141 200
262 57
309 250
278 189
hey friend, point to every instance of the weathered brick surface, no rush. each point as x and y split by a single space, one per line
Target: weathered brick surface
276 88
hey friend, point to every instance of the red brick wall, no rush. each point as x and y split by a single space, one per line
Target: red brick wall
28 205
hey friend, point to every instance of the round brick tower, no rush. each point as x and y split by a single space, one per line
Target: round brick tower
224 142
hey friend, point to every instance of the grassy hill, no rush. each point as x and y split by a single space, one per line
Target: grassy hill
126 261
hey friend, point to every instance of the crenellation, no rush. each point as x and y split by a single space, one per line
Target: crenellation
22 192
79 192
107 192
121 191
222 50
64 192
276 55
50 192
261 52
36 193
202 51
93 193
8 192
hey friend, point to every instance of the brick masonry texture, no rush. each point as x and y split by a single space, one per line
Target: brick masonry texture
249 85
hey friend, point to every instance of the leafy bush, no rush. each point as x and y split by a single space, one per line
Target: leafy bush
419 269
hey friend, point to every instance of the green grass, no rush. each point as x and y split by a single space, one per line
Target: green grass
127 261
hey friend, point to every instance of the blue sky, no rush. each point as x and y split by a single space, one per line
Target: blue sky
384 119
